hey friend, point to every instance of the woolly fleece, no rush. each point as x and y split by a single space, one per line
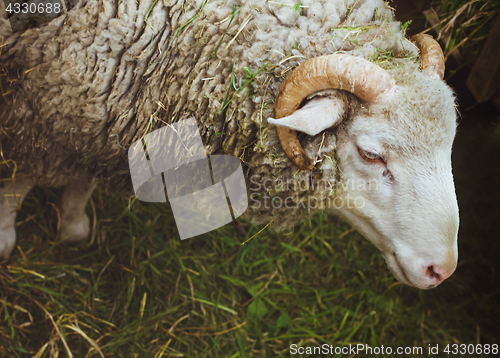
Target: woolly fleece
84 87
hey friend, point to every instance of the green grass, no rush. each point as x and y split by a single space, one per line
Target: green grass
183 26
466 24
138 291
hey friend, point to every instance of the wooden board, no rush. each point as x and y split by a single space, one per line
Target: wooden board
484 79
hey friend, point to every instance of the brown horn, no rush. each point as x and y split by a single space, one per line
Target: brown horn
432 56
364 79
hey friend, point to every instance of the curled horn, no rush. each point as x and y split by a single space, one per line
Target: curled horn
432 56
364 79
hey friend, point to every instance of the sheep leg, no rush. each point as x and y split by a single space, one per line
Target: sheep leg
75 224
12 195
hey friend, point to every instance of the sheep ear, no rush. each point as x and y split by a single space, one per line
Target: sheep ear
317 115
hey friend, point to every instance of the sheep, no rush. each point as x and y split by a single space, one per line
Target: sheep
81 89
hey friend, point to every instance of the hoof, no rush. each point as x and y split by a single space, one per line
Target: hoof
7 242
76 230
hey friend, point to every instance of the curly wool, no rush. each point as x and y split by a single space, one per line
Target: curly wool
86 86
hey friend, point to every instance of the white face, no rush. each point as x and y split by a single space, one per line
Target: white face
395 161
401 197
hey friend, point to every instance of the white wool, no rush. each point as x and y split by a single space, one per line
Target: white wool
99 74
81 89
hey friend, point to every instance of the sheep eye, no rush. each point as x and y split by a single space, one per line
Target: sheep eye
369 156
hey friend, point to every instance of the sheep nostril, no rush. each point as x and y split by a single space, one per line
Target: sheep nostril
432 274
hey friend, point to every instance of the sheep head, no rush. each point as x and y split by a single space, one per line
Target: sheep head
396 139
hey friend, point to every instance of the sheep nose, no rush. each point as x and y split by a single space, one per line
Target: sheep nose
436 274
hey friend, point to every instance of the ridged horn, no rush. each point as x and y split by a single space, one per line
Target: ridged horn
362 78
432 56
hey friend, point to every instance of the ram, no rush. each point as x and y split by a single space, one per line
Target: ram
378 122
